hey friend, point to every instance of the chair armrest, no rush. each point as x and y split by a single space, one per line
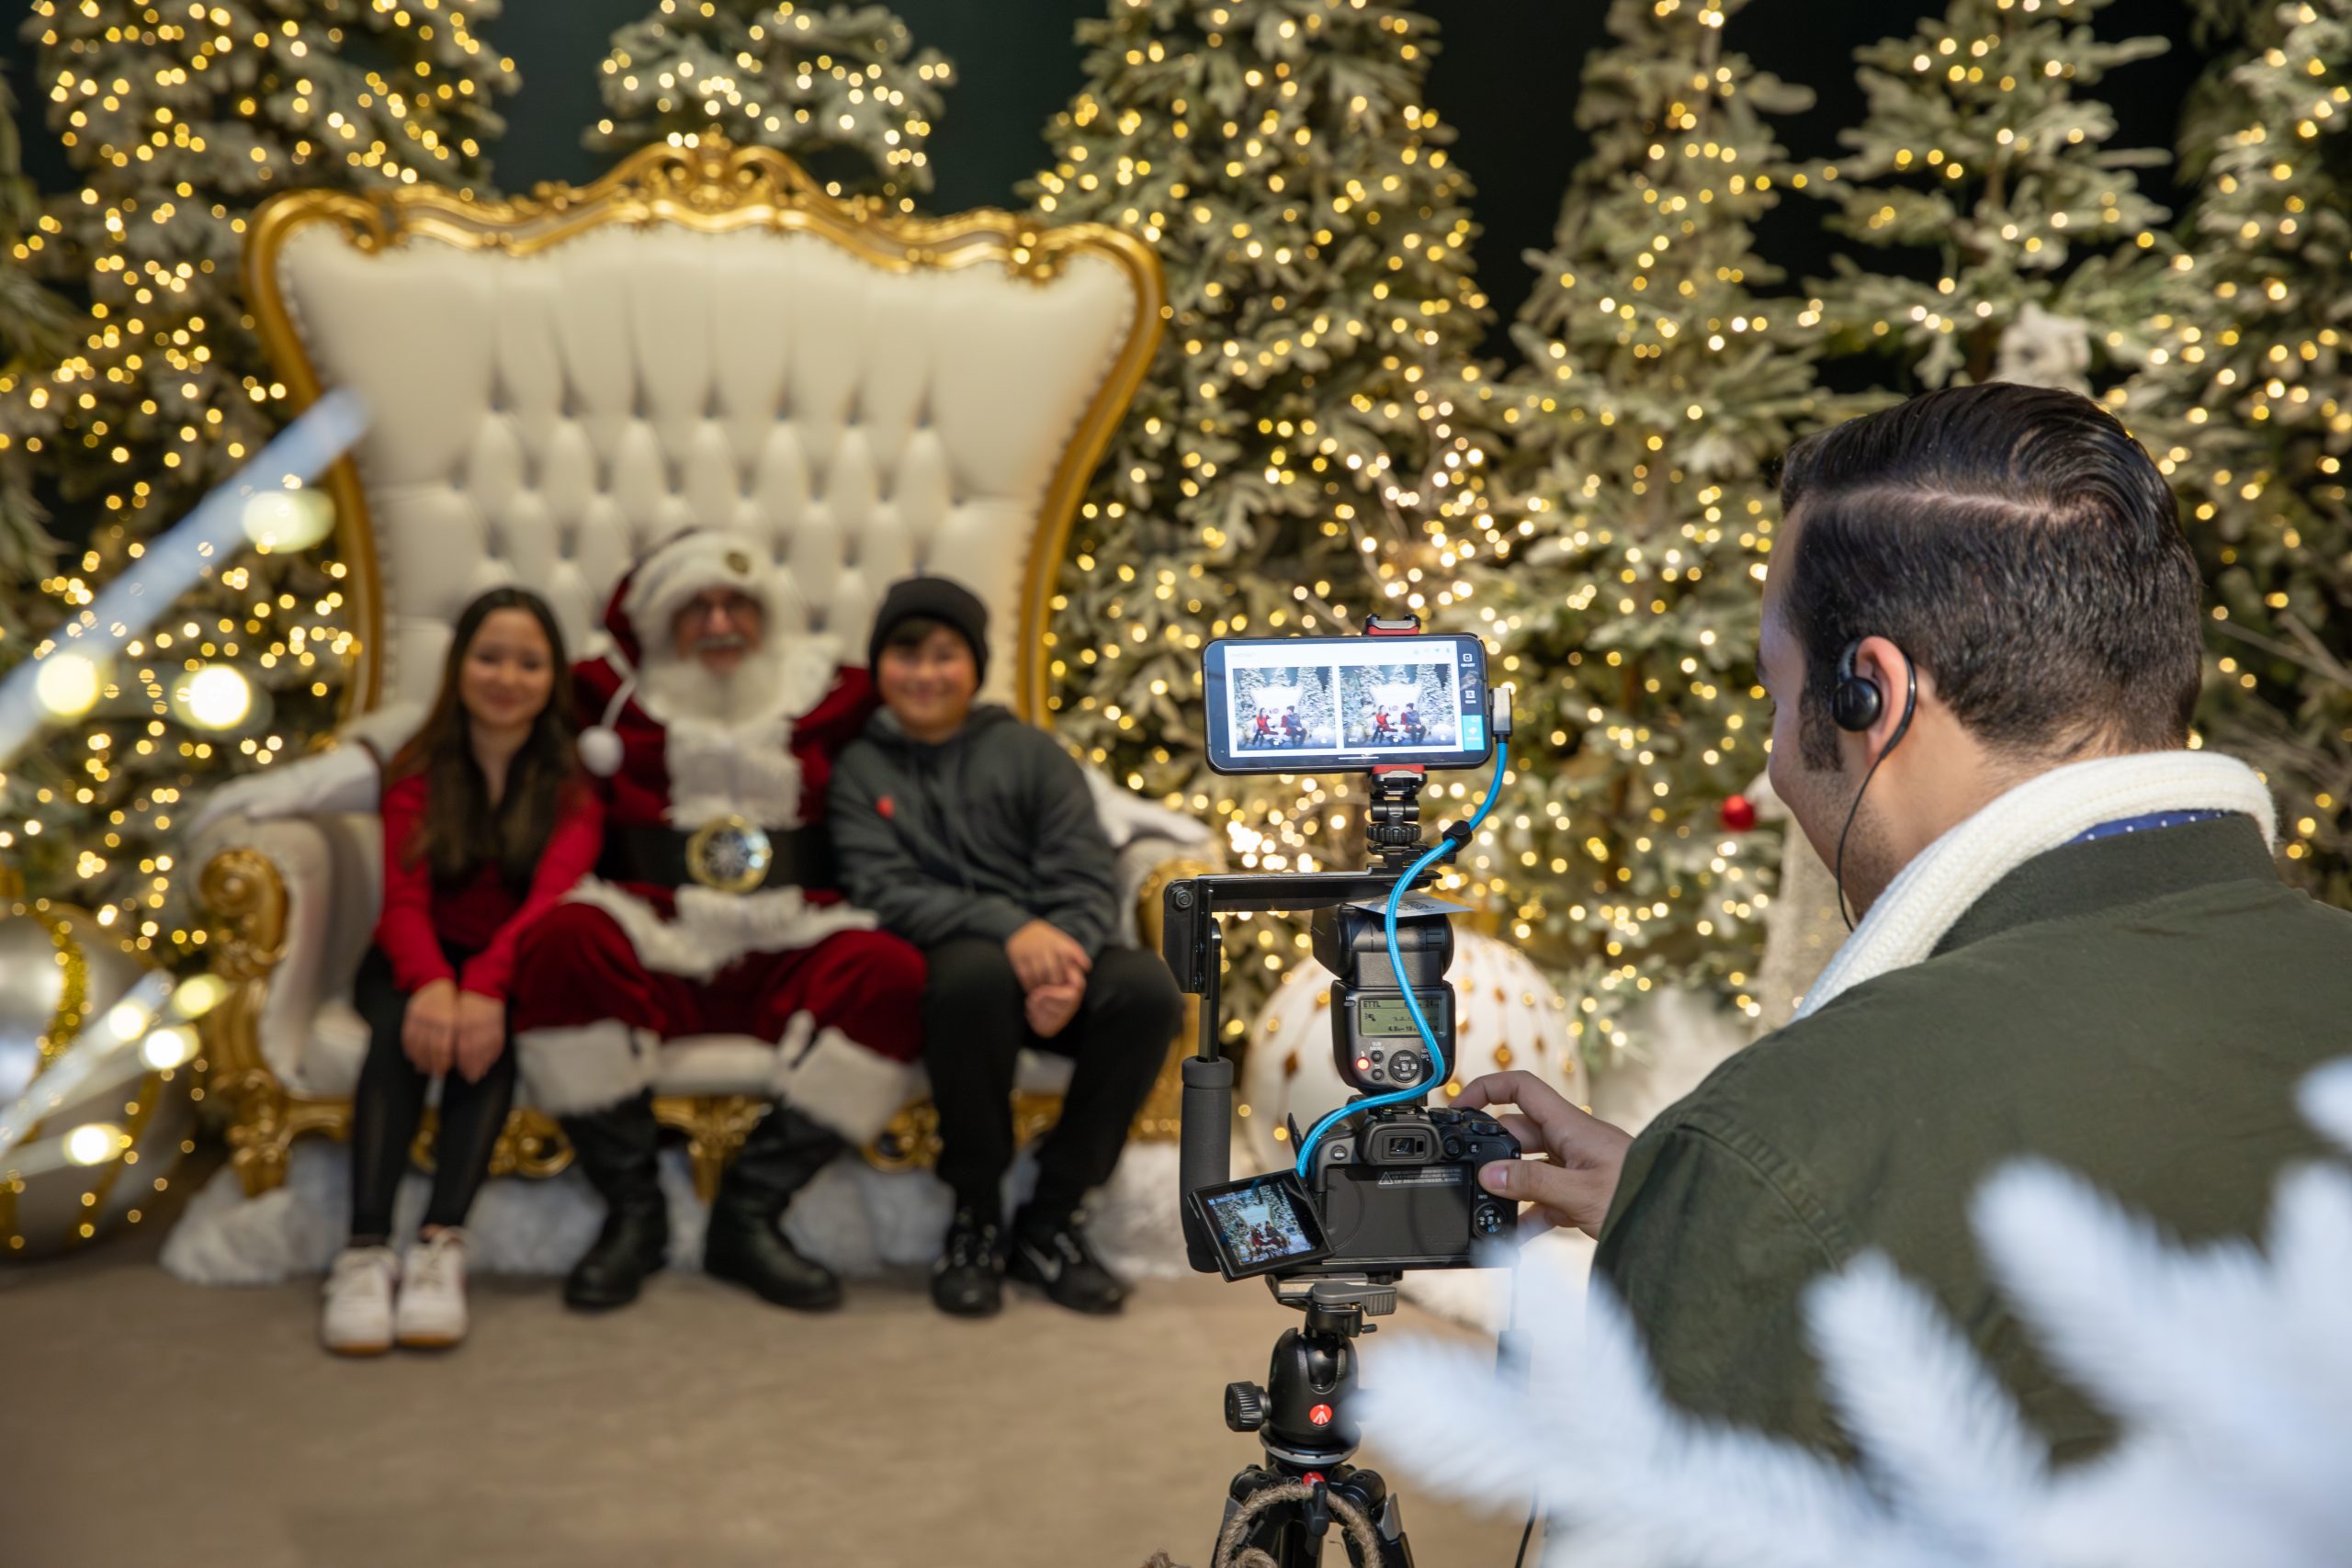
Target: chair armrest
295 899
1146 837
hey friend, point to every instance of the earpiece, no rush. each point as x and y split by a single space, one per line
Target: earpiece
1857 703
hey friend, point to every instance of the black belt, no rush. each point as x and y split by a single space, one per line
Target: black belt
800 857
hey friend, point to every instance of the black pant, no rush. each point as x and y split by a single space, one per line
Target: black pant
973 1028
390 1102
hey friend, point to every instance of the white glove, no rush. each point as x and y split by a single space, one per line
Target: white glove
343 778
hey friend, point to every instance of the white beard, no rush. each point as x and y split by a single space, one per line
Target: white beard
671 687
727 741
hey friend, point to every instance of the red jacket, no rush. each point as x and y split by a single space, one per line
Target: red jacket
484 913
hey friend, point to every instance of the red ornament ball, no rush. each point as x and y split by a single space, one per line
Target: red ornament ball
1738 814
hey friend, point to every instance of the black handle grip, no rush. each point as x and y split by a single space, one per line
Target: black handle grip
1203 1148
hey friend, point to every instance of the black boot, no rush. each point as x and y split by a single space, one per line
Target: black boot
746 1242
616 1148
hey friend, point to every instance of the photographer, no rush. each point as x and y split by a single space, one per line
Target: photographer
1981 636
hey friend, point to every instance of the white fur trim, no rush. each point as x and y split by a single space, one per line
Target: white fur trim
665 580
746 769
727 744
713 929
837 1081
1947 876
585 1068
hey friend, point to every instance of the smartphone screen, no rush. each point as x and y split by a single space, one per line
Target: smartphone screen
1261 1223
1313 704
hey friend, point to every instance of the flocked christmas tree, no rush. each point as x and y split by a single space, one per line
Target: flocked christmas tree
2249 408
840 88
1294 460
181 119
1661 377
34 323
1979 148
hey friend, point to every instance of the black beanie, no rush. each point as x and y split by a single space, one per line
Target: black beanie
940 599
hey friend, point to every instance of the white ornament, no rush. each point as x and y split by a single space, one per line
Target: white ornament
2038 349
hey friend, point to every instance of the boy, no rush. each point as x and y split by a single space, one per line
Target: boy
974 837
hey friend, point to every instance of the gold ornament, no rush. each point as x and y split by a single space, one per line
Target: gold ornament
103 1145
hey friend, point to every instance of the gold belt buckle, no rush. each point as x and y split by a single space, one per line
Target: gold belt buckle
731 854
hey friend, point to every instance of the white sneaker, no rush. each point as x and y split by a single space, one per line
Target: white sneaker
432 1311
358 1316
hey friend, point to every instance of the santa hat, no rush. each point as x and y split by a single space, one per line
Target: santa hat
650 596
687 565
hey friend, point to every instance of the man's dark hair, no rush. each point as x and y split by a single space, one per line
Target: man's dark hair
2018 544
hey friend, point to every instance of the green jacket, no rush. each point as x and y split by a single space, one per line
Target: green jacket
2138 1009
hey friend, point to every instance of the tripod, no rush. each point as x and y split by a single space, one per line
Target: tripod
1303 1421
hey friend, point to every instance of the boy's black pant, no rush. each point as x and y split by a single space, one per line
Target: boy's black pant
973 1028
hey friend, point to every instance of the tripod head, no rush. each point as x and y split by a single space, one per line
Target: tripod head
1302 1414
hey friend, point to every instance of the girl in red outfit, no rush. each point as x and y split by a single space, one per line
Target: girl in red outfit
488 821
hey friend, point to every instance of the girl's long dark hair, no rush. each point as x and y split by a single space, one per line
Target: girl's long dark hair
461 832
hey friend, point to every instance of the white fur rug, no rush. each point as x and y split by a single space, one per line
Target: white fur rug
853 1218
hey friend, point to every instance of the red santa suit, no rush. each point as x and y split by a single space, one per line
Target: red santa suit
661 945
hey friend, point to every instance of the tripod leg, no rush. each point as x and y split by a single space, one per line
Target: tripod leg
1272 1525
1369 1493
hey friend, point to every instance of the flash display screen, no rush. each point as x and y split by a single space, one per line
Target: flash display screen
1384 1017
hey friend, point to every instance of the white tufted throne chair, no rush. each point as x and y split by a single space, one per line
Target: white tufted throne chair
701 337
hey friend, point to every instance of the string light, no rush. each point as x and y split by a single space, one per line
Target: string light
807 81
1619 576
180 119
2012 190
2244 405
1301 453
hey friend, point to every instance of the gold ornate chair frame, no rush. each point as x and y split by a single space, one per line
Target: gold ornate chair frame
711 188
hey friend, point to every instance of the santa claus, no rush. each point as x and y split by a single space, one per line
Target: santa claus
713 913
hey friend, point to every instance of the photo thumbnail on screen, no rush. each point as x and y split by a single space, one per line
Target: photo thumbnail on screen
1410 706
1283 707
1261 1224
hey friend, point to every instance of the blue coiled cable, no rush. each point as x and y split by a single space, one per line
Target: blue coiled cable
1396 961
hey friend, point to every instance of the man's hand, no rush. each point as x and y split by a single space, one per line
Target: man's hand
1050 1008
1586 1153
1044 954
481 1035
429 1028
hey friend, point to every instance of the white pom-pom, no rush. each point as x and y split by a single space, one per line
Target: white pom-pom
600 750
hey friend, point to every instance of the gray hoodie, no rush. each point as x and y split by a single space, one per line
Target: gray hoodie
976 836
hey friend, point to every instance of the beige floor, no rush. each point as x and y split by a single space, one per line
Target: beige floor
144 1421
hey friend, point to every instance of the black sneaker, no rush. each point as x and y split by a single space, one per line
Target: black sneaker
1063 1261
969 1279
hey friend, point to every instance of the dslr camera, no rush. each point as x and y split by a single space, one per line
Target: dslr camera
1384 1183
